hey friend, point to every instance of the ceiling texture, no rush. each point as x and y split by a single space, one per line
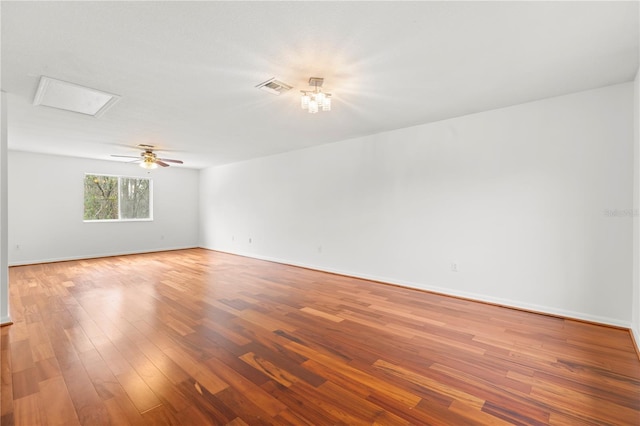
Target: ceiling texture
186 71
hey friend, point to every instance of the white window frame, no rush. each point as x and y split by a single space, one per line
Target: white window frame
149 219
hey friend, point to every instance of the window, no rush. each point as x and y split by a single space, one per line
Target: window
117 198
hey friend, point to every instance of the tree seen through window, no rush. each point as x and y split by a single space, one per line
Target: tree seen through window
116 198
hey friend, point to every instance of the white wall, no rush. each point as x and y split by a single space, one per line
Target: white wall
46 210
636 208
4 241
516 197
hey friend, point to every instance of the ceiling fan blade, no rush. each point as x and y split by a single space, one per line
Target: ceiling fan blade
161 163
124 156
168 160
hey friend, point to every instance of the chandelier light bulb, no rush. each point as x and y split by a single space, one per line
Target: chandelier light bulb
326 103
313 106
304 101
315 100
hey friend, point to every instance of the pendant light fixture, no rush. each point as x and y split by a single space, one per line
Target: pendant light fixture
315 100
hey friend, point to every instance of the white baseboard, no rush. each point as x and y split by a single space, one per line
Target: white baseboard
93 256
636 339
449 292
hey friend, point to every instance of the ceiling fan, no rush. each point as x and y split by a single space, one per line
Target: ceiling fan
148 159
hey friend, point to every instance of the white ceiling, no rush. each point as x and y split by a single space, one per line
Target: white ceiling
186 71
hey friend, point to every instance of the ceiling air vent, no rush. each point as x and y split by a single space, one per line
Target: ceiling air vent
274 86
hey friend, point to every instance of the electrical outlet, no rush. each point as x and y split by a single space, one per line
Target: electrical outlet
454 267
249 240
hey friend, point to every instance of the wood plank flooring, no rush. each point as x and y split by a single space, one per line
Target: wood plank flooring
196 337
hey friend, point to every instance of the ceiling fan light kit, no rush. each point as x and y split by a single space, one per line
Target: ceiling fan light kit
149 164
148 159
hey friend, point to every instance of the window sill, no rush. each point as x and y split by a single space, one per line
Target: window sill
117 220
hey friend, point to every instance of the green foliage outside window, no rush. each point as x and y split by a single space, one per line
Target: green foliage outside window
134 198
116 198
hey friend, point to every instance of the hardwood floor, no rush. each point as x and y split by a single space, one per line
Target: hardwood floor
196 337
